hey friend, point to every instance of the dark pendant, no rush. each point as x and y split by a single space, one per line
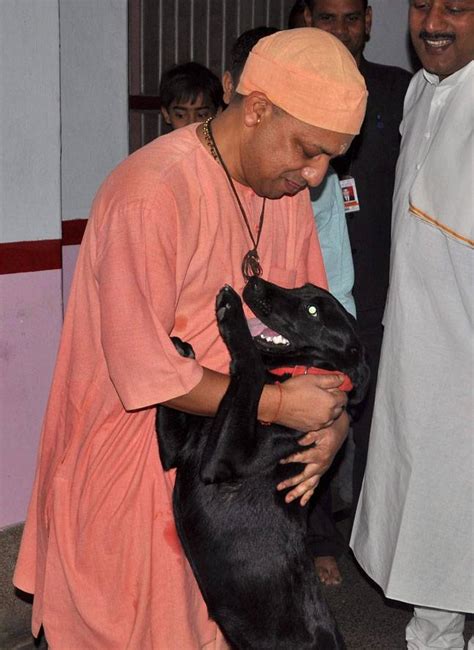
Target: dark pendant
251 265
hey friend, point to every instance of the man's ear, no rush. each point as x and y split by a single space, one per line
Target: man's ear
228 86
308 17
368 22
166 115
257 106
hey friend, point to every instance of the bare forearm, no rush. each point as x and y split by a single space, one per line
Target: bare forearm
206 396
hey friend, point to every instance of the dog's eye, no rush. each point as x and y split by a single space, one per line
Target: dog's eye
312 310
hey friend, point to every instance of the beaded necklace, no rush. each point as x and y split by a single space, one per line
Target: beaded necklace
251 262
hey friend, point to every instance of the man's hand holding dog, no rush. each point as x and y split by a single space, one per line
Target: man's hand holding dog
313 404
309 403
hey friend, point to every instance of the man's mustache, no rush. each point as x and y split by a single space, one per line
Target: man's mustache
438 36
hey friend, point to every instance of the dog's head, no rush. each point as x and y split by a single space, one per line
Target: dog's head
307 326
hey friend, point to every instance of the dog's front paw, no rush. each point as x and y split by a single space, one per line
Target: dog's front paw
228 304
232 322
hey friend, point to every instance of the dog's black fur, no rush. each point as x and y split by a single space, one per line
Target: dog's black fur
245 544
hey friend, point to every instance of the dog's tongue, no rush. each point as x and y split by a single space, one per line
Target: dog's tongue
256 328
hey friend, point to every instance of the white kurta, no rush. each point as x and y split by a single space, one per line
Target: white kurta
413 532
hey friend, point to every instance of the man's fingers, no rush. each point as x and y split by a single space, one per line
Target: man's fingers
341 399
299 457
306 497
312 455
309 439
290 482
313 437
302 479
316 460
328 382
302 489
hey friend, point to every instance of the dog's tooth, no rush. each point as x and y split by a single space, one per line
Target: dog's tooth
285 341
278 339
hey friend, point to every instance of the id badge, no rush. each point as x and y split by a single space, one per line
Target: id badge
349 194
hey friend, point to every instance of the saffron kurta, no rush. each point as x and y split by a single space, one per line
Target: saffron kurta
414 527
100 550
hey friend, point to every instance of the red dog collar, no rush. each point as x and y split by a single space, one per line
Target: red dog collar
303 370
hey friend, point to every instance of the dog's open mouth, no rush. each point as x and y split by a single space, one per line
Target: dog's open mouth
265 336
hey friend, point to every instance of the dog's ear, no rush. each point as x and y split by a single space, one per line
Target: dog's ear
221 460
231 445
216 470
172 433
360 379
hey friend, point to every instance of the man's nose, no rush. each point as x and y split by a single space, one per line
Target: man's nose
339 28
314 173
434 20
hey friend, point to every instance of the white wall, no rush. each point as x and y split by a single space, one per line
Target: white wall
30 211
94 97
63 121
389 41
29 120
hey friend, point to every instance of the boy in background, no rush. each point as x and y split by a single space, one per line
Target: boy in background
189 93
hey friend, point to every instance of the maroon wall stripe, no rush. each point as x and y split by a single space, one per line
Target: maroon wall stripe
73 231
44 255
28 256
144 103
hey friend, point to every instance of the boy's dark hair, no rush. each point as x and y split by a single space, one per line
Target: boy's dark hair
187 81
242 47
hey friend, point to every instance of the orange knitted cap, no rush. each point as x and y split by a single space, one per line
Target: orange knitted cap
311 75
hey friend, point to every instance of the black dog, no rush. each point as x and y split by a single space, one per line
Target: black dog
246 546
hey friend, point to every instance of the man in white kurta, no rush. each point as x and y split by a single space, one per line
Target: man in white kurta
413 532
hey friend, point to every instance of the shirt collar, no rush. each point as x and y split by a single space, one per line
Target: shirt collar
450 81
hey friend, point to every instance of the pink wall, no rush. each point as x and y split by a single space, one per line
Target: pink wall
70 254
30 320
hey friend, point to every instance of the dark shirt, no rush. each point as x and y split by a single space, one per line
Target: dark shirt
371 160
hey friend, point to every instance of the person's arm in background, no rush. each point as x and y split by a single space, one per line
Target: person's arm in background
328 209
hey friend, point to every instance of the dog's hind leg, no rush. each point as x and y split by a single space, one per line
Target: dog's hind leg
233 441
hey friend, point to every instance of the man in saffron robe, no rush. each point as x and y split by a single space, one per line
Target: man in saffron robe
100 550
